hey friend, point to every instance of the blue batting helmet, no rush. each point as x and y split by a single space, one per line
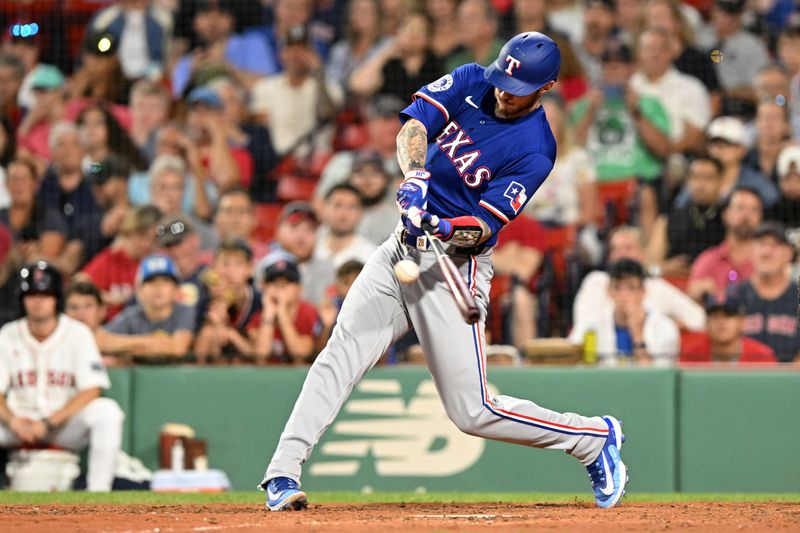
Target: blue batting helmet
526 62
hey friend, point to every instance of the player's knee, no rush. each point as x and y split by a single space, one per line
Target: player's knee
106 410
466 421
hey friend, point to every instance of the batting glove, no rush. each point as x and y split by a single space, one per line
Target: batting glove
441 228
413 190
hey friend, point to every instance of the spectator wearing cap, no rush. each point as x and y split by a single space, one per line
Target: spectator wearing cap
288 325
109 183
200 191
787 209
167 190
114 269
743 55
247 138
375 185
337 240
729 262
39 231
47 109
143 30
769 296
156 325
28 51
235 218
686 232
629 331
727 142
297 104
226 165
287 15
12 73
229 304
690 58
724 342
382 129
407 62
625 133
296 234
627 242
149 106
100 76
177 238
686 100
221 51
772 131
599 26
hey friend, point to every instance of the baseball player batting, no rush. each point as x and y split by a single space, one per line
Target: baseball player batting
50 380
475 145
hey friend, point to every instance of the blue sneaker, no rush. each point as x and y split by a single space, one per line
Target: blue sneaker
284 493
608 473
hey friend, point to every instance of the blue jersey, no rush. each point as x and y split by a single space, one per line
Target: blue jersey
480 165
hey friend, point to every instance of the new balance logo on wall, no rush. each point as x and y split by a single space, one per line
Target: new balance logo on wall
414 439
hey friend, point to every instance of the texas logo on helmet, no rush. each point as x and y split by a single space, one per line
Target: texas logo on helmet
516 193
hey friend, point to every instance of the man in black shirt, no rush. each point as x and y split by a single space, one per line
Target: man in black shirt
691 229
770 296
787 210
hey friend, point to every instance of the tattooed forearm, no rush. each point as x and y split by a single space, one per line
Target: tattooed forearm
412 146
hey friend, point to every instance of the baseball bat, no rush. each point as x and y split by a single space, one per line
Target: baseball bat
455 283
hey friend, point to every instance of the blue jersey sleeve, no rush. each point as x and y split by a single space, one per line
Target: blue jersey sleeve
435 103
507 194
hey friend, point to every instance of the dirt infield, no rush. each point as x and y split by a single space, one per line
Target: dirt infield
689 516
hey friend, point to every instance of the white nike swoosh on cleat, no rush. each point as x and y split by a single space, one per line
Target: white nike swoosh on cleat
468 100
608 490
271 495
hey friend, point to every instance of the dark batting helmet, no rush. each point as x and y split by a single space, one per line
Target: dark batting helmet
41 278
526 62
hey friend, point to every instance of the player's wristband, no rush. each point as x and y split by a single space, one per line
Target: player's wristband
419 178
466 231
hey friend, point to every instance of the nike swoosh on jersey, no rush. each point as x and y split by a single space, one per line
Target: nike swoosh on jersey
468 100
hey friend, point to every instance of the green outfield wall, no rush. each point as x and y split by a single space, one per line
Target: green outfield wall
686 431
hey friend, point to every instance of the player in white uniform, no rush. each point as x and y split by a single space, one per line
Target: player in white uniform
51 376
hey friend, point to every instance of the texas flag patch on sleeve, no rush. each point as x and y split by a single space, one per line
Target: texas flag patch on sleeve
516 194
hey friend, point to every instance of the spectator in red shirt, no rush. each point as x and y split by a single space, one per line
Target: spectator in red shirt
288 325
724 342
517 258
114 269
731 261
49 107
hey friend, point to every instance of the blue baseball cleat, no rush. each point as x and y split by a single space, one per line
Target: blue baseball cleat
284 493
608 473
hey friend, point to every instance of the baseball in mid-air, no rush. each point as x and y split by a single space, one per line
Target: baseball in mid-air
407 271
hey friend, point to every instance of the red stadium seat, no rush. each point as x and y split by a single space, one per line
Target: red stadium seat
293 188
266 220
617 199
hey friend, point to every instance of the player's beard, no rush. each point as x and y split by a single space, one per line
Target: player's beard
517 106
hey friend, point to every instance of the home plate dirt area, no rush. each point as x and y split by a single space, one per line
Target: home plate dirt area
370 517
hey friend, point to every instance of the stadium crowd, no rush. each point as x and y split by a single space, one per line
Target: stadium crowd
211 175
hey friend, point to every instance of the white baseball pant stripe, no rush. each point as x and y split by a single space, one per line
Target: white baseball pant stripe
377 311
98 425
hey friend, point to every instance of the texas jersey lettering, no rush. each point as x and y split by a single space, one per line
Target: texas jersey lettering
481 165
